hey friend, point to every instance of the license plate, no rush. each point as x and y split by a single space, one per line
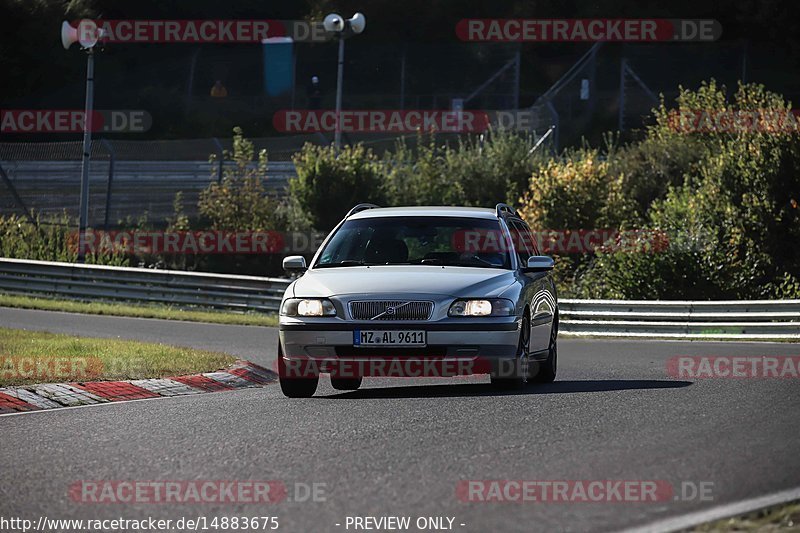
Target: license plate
391 337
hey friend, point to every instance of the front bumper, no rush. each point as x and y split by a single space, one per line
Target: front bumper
458 346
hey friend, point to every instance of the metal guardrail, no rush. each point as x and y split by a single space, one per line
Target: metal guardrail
140 285
753 320
747 320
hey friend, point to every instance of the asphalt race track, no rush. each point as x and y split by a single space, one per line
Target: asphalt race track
400 447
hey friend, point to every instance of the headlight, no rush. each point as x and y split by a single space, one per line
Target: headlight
308 307
493 307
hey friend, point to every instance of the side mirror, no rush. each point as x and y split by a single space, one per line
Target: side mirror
539 263
294 264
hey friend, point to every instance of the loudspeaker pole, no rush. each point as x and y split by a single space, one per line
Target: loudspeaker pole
87 148
87 34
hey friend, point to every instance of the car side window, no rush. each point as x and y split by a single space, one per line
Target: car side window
520 235
529 239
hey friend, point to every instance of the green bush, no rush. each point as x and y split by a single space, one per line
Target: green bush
477 171
731 219
568 193
239 201
329 184
50 239
419 176
642 172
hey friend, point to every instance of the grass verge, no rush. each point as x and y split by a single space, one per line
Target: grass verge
28 357
780 518
139 311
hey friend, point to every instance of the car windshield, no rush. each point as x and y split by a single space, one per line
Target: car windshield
436 241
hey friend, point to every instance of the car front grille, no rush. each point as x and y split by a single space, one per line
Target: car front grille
391 310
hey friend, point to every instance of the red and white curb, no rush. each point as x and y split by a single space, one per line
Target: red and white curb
242 374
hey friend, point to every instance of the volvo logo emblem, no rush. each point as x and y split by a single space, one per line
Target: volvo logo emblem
390 311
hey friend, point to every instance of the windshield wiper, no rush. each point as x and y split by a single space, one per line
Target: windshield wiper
435 261
345 263
442 262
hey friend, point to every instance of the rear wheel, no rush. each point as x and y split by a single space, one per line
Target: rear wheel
517 375
345 383
295 387
549 367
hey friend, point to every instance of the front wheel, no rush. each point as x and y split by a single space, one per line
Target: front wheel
299 388
549 367
304 387
345 383
517 375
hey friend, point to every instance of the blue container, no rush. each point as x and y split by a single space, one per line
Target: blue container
278 65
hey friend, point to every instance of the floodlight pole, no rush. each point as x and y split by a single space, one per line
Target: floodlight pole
337 136
87 147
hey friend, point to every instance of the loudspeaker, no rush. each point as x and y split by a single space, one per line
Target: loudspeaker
358 22
87 34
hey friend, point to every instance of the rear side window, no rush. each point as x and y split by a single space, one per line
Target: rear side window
523 240
534 249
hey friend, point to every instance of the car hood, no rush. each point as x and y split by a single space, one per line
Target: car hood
428 279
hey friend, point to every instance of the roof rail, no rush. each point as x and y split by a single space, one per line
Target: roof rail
359 208
504 209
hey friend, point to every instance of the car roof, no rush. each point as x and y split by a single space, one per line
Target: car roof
426 211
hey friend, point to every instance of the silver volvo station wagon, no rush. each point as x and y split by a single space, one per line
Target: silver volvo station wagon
448 288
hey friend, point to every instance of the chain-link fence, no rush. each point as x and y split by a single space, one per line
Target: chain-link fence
127 179
614 87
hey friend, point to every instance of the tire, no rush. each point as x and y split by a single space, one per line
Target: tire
521 364
549 367
295 387
346 383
